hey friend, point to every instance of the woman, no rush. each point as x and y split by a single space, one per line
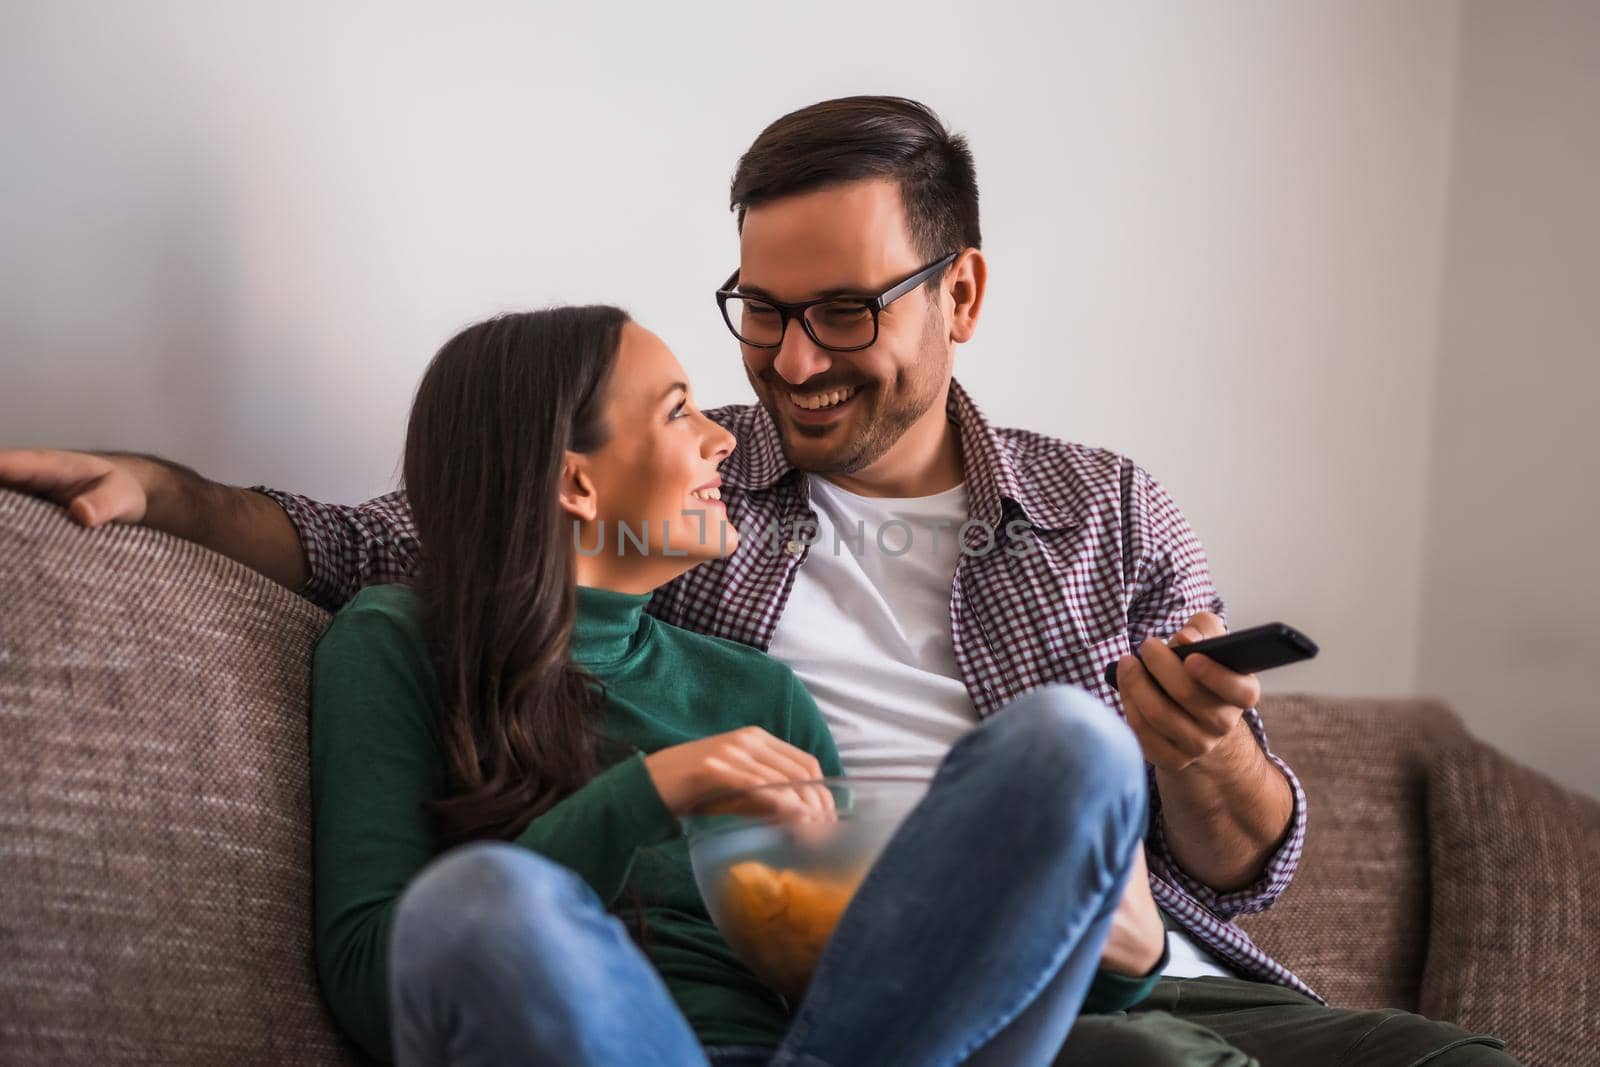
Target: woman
518 701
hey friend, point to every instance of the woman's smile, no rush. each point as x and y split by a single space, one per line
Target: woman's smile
709 493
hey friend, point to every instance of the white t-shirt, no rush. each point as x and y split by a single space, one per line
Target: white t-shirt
867 630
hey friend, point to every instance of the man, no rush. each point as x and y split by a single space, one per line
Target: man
860 271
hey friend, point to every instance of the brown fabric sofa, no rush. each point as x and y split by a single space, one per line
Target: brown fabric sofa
155 863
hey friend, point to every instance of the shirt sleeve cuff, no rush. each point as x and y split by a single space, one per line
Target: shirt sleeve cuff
317 588
640 802
1118 992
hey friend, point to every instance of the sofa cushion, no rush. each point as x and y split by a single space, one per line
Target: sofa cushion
1516 929
153 802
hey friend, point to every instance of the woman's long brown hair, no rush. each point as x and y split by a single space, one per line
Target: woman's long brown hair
497 409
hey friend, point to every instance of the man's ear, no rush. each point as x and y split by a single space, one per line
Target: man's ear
969 274
577 493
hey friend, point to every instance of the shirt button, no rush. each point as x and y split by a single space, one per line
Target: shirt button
794 548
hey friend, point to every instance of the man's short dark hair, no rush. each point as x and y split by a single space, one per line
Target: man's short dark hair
859 137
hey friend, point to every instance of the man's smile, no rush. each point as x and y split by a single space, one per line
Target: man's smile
819 409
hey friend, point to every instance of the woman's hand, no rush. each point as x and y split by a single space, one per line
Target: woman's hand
686 774
1138 937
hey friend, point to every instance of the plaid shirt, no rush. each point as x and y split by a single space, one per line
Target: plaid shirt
1115 562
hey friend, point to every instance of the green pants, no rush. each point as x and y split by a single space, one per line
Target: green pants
1229 1022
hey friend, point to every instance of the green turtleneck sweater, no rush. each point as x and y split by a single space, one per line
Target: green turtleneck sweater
375 757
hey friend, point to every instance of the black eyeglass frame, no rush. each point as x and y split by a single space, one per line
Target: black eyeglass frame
874 304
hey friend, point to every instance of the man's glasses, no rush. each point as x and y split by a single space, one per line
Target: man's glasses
837 323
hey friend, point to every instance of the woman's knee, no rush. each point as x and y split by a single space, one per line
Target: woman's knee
1068 733
484 894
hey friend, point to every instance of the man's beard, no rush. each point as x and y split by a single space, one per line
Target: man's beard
884 423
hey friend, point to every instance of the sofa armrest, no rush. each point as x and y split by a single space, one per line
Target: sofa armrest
1515 943
1354 923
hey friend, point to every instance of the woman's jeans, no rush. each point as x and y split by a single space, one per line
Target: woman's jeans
972 940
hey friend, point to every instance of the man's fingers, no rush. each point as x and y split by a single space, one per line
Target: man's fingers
1238 690
83 512
1180 708
41 469
1169 738
1205 706
1187 635
1206 624
113 497
1202 626
1163 665
1158 750
1140 704
93 489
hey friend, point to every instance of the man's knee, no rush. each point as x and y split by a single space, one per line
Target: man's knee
1385 1037
1414 1040
1149 1039
1473 1054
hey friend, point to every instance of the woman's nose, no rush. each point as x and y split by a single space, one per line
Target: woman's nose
719 442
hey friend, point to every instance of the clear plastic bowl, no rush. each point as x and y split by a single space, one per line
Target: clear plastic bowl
776 885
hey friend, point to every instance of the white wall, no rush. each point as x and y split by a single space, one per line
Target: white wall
1510 624
1216 236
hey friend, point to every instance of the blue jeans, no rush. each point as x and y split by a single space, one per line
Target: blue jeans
972 940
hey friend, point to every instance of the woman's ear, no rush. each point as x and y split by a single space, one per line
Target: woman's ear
577 494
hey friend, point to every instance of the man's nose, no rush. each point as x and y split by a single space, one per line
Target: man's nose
799 358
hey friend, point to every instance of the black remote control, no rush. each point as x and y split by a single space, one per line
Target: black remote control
1259 648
